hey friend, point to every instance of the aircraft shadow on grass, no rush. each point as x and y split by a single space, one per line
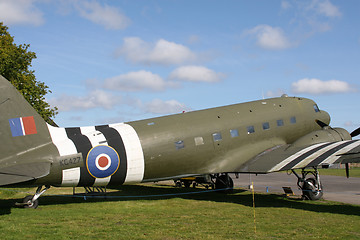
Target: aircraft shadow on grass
159 192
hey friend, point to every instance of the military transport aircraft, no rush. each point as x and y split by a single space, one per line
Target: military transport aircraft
264 136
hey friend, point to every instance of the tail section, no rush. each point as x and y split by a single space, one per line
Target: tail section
26 147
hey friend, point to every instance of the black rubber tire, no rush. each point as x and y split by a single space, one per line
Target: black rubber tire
34 205
187 183
224 182
309 189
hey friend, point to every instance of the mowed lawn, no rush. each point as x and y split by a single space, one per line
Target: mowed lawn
128 214
354 172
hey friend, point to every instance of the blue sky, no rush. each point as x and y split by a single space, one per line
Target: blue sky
116 61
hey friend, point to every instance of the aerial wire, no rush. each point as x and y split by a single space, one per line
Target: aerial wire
253 197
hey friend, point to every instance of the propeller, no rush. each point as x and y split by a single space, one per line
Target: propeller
352 134
347 167
355 132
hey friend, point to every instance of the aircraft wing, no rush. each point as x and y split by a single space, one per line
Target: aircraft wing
287 157
23 172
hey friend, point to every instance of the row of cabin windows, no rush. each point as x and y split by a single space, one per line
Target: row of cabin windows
233 133
266 125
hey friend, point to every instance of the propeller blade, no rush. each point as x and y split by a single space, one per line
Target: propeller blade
347 170
355 132
320 123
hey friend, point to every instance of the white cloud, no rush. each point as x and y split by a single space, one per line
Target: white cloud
20 12
107 16
316 86
276 93
350 124
137 81
285 5
94 99
194 39
272 38
326 8
162 52
196 74
158 106
313 15
313 8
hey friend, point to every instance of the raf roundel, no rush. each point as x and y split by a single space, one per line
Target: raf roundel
102 161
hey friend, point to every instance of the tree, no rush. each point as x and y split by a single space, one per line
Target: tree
15 63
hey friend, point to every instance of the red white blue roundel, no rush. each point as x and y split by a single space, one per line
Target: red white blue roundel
102 161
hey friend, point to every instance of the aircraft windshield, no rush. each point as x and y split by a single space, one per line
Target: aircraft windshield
316 108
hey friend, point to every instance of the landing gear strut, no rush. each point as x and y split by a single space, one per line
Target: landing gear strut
220 181
311 186
225 182
31 201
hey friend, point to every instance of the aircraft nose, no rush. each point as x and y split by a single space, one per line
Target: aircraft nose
325 117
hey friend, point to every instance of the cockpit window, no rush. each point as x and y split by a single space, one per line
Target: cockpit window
316 108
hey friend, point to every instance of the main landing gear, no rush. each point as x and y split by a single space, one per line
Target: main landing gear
311 186
31 201
224 181
220 181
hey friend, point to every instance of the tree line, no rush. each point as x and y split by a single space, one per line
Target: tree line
15 66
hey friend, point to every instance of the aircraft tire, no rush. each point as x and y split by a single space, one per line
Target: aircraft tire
224 182
310 189
34 205
187 183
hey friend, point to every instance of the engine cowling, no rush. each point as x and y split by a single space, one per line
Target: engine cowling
326 134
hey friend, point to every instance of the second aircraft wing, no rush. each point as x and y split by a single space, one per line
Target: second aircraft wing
287 157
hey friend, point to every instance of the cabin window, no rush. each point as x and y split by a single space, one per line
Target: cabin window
179 144
280 122
293 120
250 129
266 125
234 133
316 108
217 137
199 141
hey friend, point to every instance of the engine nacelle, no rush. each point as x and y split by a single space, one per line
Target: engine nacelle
325 135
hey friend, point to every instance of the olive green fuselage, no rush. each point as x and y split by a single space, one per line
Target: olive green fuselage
217 140
184 144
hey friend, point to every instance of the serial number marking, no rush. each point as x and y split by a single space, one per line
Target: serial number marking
70 161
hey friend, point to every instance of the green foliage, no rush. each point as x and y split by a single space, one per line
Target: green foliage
15 63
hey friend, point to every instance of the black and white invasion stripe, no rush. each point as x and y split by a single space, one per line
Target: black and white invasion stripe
121 137
315 155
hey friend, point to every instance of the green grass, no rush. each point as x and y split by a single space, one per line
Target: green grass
210 215
354 172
